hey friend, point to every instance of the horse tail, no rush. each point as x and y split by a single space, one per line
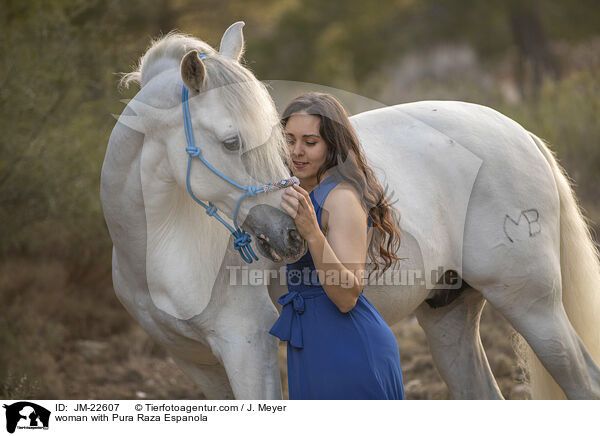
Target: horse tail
580 272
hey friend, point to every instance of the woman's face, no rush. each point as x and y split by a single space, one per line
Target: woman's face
307 148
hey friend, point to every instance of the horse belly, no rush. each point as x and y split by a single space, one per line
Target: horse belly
400 291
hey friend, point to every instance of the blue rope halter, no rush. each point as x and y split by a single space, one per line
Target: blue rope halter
242 239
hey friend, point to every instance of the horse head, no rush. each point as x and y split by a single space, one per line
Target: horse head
236 136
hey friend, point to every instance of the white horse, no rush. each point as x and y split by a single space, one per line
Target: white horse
478 195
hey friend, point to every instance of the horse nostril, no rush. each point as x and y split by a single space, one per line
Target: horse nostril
294 235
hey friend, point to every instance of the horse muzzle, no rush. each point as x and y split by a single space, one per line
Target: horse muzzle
275 233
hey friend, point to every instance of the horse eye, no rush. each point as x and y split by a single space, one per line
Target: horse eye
232 144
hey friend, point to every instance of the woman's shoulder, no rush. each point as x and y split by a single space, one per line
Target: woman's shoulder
343 202
343 194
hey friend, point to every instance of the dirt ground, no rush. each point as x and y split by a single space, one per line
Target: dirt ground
130 366
76 341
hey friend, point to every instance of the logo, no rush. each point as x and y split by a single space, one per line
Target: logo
26 415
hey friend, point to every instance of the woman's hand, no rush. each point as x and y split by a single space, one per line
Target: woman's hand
297 203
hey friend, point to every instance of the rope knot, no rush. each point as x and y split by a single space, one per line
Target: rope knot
211 210
193 151
241 239
253 190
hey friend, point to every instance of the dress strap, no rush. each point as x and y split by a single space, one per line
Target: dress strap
320 193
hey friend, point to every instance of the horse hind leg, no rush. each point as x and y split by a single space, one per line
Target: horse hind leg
522 279
533 305
453 335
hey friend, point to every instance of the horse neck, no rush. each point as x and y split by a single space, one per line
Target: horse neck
178 230
174 222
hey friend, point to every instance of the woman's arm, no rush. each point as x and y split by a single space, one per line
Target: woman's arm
340 257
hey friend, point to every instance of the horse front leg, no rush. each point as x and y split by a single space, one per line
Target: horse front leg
241 340
211 378
453 335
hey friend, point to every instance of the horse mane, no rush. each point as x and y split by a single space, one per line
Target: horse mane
247 99
164 52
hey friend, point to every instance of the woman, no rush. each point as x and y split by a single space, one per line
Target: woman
339 346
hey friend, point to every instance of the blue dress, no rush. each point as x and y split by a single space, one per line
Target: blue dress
330 354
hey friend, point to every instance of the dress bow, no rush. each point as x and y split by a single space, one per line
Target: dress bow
288 326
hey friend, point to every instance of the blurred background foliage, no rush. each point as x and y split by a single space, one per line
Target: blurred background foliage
536 61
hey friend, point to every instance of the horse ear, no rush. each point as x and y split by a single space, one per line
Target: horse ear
193 72
232 43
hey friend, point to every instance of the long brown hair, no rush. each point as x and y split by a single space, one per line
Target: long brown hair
347 163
